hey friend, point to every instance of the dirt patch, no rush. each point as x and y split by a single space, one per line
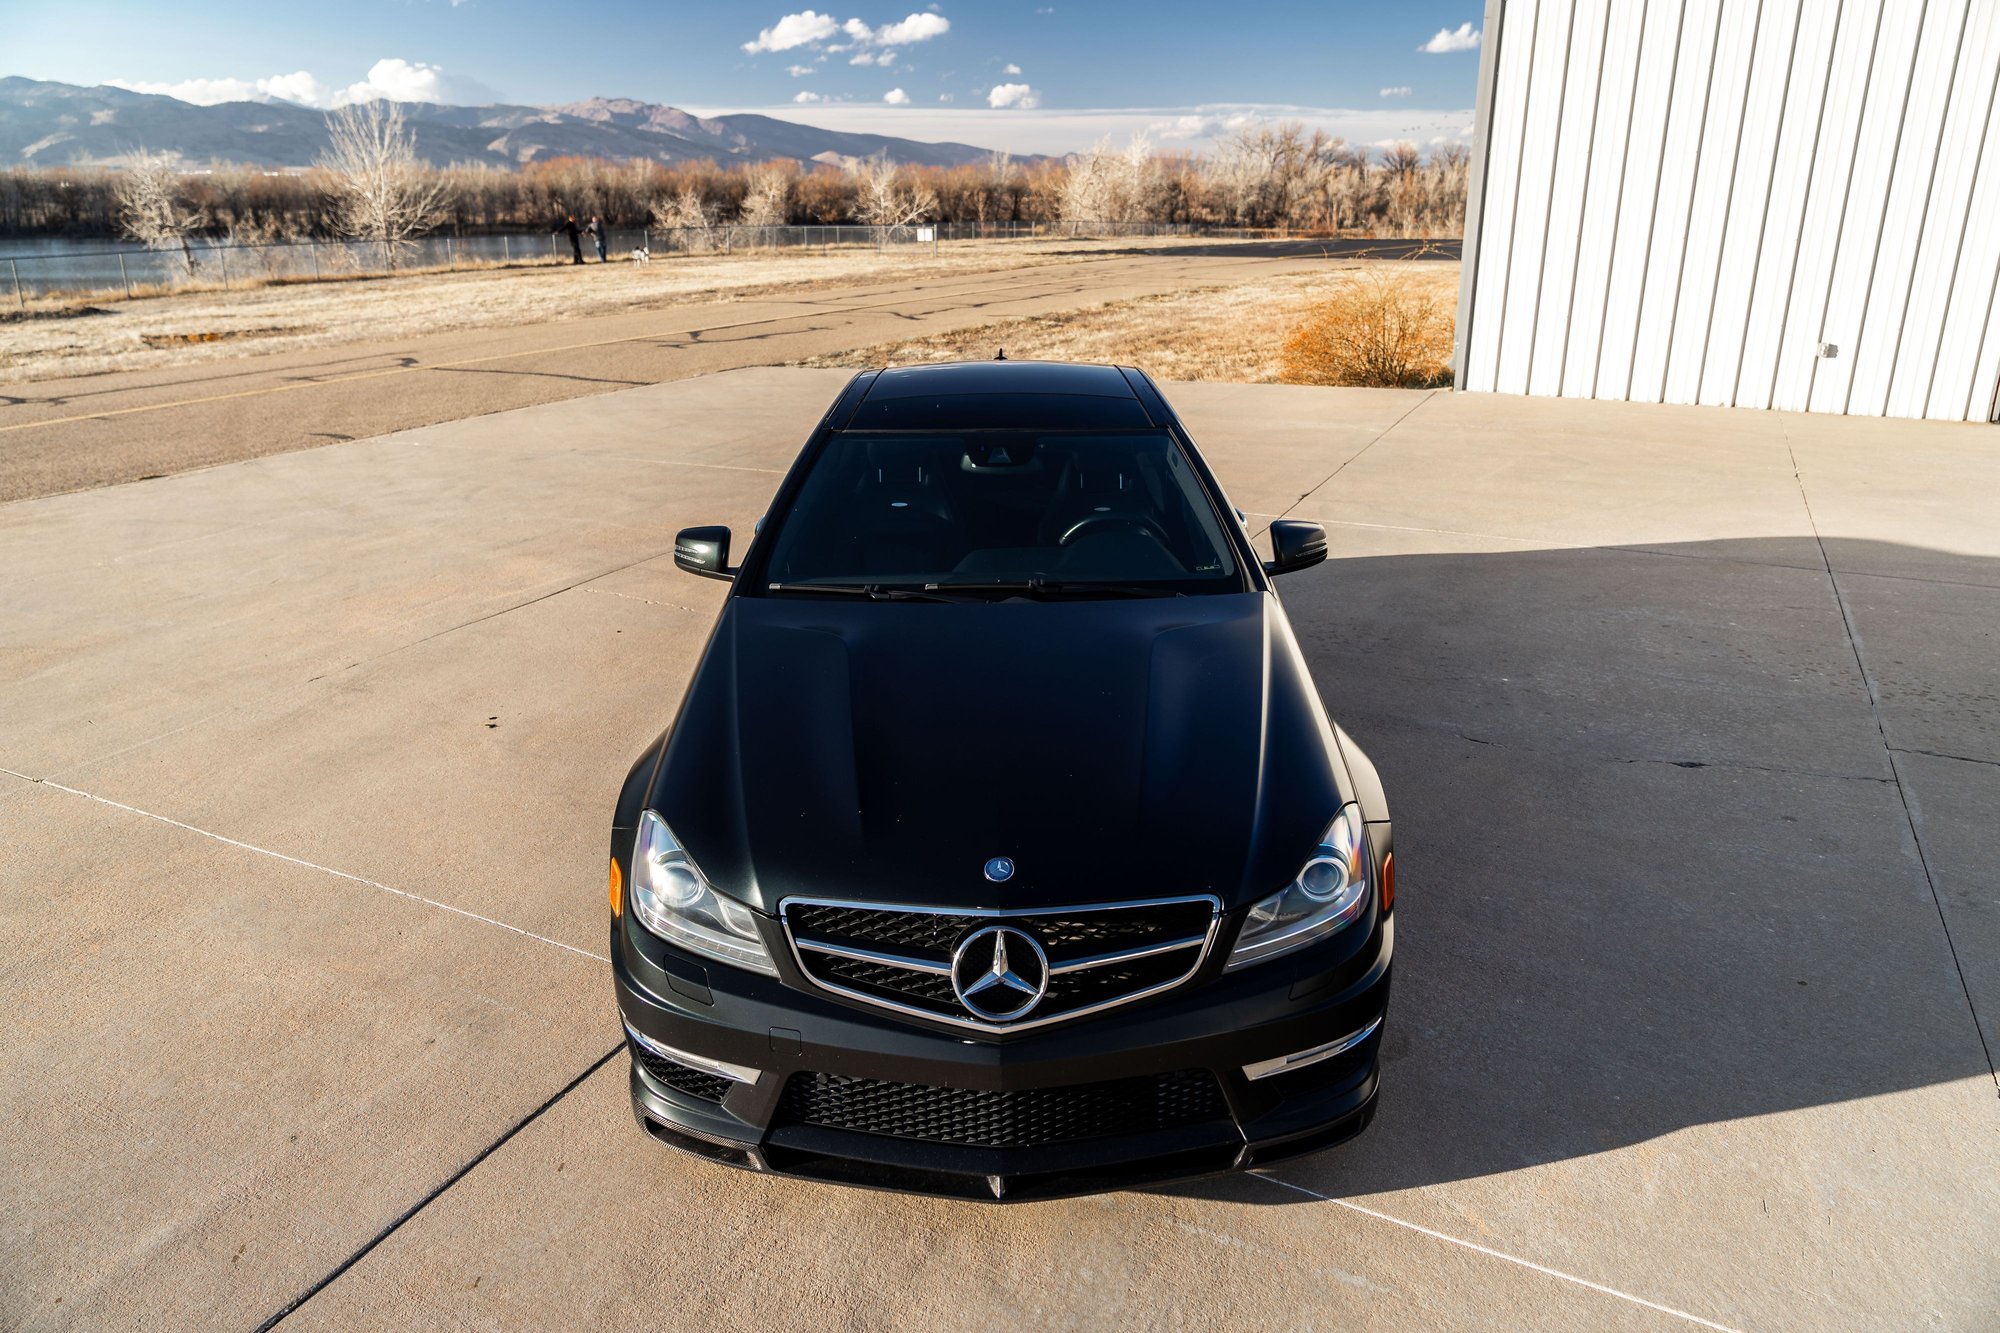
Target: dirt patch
51 312
223 335
1235 333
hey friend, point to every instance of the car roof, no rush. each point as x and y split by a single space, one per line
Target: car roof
999 395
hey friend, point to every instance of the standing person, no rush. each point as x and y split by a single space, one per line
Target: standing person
596 230
567 227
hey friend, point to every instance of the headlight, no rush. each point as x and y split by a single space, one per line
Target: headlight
673 899
1330 891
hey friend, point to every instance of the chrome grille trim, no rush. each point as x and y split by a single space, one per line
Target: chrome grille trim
1125 955
1199 945
873 956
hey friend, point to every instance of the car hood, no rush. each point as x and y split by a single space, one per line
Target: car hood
885 751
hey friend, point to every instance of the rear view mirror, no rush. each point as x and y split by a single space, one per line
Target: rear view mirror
704 551
1295 544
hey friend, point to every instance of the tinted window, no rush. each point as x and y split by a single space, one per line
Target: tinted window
911 509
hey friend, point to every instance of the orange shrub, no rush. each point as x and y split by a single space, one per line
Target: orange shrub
1378 331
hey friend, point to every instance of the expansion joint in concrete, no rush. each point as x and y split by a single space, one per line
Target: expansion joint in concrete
1890 752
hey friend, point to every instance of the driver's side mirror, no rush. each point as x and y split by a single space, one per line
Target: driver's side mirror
1295 544
704 551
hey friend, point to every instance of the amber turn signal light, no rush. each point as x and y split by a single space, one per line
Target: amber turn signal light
617 889
1388 881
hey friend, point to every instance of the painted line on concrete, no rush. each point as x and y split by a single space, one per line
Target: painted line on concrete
1492 1253
309 865
396 1222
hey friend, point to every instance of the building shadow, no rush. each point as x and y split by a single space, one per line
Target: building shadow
1655 870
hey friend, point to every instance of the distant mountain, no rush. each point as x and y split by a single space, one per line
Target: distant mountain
57 124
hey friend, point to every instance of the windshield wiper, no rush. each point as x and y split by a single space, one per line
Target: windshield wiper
1055 588
878 592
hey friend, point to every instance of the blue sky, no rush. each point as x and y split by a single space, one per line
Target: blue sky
1182 72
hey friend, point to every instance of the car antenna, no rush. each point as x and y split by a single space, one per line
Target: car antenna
1001 355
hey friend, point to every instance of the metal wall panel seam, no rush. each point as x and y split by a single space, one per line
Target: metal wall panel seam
1653 215
1694 188
1985 332
1763 222
1805 206
1583 203
1514 219
1728 206
1923 216
1549 209
1618 201
1888 193
1939 248
1958 255
1792 162
1846 197
1482 138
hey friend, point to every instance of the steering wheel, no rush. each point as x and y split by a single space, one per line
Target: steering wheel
1084 525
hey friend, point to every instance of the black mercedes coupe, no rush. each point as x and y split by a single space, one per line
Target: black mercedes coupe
1002 847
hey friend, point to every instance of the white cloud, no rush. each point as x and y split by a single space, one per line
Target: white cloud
300 87
1011 68
896 97
1214 126
1014 95
1200 128
793 30
397 80
798 71
946 97
805 98
392 79
915 28
1396 92
811 28
882 58
1465 37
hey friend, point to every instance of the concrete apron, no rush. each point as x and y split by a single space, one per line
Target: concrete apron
1688 718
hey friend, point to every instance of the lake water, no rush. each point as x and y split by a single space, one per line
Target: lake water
46 264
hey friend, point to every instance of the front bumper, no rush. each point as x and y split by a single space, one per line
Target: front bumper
1140 1095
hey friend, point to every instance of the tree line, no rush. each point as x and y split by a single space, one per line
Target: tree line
370 185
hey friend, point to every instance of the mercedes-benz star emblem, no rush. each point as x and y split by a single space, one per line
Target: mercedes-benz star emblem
1000 869
999 973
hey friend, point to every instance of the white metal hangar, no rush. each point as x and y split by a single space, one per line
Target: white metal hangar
1760 203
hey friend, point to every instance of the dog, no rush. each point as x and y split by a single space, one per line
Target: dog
641 255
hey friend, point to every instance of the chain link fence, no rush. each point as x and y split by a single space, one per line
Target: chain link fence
79 269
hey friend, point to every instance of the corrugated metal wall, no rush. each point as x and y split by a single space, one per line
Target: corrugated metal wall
1682 200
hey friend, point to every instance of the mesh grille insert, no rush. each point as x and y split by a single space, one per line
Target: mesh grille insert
1024 1118
681 1078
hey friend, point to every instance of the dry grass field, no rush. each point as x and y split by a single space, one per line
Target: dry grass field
181 327
1237 333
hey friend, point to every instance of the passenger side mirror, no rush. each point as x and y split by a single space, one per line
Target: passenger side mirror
1295 544
704 551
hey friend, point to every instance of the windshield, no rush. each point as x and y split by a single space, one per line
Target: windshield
996 512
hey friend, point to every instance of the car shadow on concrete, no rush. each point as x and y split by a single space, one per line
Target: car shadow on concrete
1655 869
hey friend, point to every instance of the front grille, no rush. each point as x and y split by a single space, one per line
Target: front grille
1098 956
681 1078
1025 1118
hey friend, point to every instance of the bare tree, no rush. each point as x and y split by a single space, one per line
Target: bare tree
382 193
686 214
153 211
767 198
886 196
